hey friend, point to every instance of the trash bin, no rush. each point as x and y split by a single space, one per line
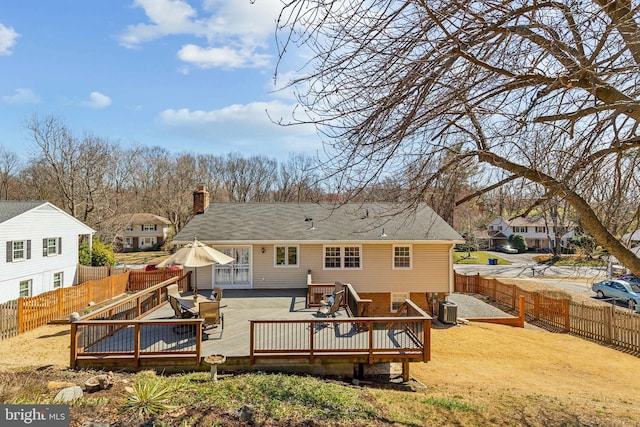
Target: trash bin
448 312
493 261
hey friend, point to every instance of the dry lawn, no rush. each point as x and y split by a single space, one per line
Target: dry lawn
480 374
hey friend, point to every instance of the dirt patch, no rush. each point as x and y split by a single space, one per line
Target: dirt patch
44 346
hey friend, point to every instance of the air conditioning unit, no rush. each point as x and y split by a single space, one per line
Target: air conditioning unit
448 312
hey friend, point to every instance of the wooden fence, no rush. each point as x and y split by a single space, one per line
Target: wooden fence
25 314
88 273
41 309
139 280
605 323
8 319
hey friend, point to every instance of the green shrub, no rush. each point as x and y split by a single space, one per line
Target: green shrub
100 254
518 242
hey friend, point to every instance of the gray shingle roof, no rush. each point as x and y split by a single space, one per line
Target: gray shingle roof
13 208
261 222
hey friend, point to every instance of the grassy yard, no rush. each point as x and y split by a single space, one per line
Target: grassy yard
476 258
139 258
571 260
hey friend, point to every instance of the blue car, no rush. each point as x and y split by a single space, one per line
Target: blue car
620 290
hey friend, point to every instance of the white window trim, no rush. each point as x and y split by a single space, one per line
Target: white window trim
29 290
286 256
393 257
399 298
54 246
342 251
61 285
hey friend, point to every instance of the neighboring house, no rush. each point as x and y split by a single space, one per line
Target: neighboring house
284 245
631 239
38 248
538 234
141 231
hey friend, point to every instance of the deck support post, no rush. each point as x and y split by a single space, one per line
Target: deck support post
405 371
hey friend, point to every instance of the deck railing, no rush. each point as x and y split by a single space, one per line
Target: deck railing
358 307
131 341
359 339
121 315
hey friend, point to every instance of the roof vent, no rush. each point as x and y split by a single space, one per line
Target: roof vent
308 218
366 214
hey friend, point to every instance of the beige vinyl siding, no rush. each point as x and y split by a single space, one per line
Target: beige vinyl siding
430 272
203 276
266 276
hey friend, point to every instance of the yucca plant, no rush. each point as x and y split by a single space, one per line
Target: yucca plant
149 398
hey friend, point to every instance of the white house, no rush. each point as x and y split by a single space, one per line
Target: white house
538 233
38 248
141 231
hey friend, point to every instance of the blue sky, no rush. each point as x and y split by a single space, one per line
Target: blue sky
186 75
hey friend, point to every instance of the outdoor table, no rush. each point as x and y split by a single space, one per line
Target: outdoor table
191 303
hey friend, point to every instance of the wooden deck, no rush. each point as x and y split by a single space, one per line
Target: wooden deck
262 329
241 306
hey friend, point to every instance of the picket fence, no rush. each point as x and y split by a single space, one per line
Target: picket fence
602 322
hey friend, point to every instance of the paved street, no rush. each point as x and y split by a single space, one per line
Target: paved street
524 267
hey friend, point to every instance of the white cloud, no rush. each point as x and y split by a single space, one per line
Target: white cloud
222 57
241 126
235 30
97 100
167 17
22 96
8 38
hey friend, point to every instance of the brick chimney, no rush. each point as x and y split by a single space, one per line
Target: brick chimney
200 200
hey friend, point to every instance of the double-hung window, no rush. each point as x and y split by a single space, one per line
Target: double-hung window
397 299
18 250
51 246
401 257
286 256
58 280
343 257
149 227
25 288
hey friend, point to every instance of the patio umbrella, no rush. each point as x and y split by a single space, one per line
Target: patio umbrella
196 254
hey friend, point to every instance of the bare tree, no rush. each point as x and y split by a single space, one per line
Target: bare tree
9 165
546 91
249 179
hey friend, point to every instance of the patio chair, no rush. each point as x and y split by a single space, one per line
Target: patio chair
331 310
217 291
180 312
210 312
173 291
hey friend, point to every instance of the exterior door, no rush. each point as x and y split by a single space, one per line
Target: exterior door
236 274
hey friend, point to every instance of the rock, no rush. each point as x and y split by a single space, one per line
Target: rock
75 316
99 382
56 385
129 390
68 394
246 413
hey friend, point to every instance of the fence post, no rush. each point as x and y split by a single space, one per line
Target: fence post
567 317
20 315
476 285
608 324
60 296
136 344
74 346
513 296
90 290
